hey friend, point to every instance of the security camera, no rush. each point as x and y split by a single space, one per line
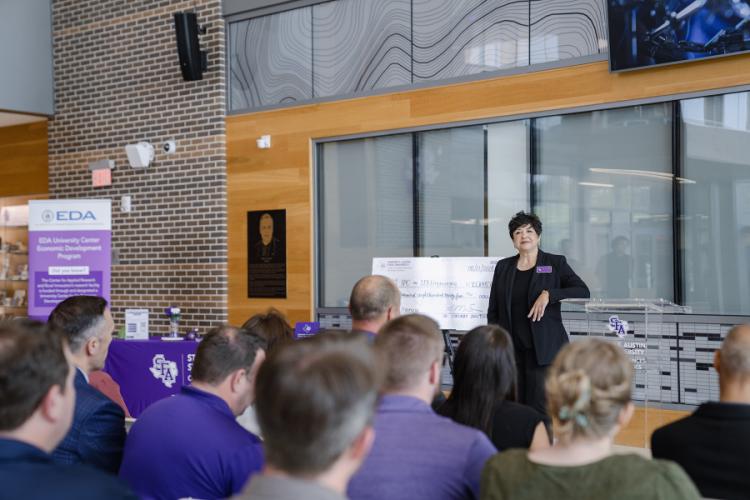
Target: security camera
169 147
140 155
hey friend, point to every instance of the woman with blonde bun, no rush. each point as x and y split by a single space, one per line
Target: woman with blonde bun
588 391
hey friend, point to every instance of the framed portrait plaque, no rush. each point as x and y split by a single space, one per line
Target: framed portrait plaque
266 254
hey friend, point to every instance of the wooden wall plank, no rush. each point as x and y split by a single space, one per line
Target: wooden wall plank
643 424
23 159
280 177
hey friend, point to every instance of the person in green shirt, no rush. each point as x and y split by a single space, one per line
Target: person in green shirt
588 396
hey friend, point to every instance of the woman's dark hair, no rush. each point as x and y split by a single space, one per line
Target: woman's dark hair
271 326
484 373
521 219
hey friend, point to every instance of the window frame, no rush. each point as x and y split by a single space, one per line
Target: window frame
533 170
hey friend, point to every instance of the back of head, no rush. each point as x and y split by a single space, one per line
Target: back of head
32 360
372 296
619 241
588 386
78 318
409 344
313 399
224 350
484 372
271 326
735 354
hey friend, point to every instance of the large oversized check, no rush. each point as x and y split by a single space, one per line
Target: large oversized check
454 291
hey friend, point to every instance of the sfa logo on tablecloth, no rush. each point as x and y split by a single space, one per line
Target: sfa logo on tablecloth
619 327
164 370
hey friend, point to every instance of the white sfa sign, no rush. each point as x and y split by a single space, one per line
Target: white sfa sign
454 291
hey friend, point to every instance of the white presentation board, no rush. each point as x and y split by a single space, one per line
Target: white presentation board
454 291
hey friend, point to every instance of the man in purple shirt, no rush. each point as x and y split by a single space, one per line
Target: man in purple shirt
417 454
190 445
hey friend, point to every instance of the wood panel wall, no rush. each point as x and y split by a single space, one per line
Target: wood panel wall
643 424
280 177
23 159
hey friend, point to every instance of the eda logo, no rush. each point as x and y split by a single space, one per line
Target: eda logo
67 216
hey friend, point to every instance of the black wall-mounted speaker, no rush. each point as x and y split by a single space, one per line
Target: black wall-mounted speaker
193 61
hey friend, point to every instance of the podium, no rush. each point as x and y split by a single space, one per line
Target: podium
637 325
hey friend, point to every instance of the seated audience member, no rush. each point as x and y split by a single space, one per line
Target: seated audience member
484 376
588 395
102 381
190 445
417 454
37 400
274 329
374 301
316 400
97 435
713 444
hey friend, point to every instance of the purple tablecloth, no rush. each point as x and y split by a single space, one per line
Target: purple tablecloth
149 370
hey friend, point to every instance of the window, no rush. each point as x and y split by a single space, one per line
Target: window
508 181
370 190
366 210
716 203
451 192
604 188
605 184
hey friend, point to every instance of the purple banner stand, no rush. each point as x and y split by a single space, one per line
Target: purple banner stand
149 370
70 252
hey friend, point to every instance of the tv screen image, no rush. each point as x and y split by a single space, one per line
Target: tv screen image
649 32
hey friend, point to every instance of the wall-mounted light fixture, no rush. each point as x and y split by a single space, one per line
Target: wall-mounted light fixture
140 155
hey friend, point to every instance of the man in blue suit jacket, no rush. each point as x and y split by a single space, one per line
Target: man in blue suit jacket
37 396
97 436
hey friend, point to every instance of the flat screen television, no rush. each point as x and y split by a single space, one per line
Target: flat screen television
650 32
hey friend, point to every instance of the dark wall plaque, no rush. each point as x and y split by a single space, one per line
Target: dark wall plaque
266 254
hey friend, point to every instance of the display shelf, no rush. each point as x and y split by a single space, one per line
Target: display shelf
14 254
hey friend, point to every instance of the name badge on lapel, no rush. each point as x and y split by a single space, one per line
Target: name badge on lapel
543 269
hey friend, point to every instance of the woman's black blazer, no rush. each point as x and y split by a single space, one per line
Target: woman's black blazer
552 273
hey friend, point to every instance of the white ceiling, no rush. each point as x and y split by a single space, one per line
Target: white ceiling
10 119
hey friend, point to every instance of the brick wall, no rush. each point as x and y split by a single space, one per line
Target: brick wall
118 81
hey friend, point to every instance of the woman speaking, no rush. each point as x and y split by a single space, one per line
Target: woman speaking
525 300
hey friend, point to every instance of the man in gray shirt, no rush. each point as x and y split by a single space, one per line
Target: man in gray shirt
315 401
